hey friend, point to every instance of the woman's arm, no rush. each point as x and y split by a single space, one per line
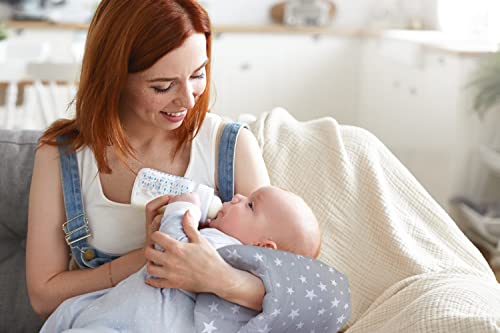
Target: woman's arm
48 279
250 171
241 287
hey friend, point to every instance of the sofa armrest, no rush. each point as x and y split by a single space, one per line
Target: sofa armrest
16 164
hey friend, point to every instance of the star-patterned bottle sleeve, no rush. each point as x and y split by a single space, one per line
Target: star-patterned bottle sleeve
302 295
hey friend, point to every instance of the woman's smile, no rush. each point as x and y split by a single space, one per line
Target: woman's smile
174 117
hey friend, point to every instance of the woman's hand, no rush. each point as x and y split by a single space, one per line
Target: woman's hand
190 266
153 217
191 197
197 267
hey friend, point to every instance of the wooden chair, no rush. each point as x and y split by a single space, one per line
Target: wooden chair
34 104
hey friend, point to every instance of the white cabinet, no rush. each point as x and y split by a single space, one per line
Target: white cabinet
311 76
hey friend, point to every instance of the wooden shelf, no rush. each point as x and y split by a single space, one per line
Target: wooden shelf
431 39
283 29
45 25
270 28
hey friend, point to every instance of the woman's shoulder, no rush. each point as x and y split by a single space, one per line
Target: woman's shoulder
211 120
47 153
48 156
209 127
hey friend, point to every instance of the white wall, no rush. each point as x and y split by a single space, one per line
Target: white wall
311 77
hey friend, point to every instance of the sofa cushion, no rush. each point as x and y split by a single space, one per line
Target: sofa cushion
16 164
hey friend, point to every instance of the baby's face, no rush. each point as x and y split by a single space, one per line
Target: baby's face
271 217
256 219
246 218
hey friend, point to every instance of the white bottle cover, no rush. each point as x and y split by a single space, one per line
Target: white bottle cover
150 184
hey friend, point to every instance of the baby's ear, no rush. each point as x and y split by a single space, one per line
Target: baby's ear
267 243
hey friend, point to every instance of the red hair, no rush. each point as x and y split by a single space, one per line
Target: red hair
128 36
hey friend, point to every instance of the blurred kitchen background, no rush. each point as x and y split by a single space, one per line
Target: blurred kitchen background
422 75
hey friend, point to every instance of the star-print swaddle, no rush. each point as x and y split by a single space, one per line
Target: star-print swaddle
302 295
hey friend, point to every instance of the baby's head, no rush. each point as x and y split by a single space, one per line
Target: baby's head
271 217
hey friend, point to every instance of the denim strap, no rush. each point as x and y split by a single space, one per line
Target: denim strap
76 227
225 167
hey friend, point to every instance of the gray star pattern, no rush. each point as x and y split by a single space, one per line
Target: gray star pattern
302 295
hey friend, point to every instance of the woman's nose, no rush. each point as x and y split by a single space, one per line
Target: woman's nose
185 96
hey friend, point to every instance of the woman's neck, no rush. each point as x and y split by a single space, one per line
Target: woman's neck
143 137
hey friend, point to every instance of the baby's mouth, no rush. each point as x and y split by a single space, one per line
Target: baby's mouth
220 213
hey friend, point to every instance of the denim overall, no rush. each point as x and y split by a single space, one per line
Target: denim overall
76 227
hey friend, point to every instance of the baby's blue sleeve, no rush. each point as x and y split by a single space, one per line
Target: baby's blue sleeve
171 223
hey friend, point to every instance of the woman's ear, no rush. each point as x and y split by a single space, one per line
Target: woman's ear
267 243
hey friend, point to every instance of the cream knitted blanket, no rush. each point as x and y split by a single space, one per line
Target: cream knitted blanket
409 267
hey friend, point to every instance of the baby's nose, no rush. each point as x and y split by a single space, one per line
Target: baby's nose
236 198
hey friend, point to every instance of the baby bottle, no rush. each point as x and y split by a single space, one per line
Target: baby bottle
151 183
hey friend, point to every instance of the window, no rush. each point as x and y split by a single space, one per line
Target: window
470 19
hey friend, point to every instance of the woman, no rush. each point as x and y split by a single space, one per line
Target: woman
142 102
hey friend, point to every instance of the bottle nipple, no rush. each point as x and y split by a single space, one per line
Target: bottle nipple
214 207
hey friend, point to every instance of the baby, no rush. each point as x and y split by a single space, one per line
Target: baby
269 217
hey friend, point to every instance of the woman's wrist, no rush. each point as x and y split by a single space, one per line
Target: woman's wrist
242 288
124 266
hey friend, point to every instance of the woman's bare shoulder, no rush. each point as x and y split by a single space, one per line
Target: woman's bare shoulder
250 169
46 151
46 170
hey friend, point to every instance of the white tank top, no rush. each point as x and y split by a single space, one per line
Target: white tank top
119 228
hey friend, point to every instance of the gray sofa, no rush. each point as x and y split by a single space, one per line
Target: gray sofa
16 163
410 268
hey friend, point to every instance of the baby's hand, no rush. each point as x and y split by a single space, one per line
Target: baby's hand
191 197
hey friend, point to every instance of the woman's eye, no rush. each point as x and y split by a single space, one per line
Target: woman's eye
163 90
201 76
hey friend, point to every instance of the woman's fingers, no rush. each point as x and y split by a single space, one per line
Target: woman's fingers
153 206
166 242
155 256
156 271
188 224
190 266
155 224
158 283
151 228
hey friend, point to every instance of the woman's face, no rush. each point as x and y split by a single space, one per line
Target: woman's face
162 95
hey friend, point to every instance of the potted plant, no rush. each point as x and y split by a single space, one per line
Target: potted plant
487 83
3 37
3 32
486 103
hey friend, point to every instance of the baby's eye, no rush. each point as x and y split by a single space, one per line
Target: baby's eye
250 205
